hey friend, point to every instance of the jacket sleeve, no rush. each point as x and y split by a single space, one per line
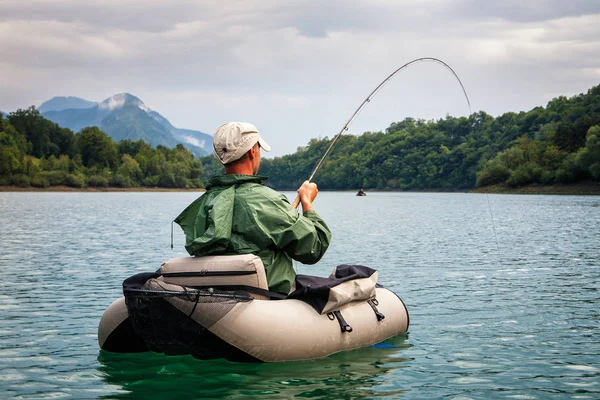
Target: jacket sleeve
308 247
305 237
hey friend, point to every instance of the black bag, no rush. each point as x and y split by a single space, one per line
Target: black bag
347 283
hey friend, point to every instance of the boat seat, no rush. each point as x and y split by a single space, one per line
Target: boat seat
216 271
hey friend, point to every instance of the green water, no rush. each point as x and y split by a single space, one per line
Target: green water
344 375
504 299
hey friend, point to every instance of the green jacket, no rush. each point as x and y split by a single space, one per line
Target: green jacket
239 215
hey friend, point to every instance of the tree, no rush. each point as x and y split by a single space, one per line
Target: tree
45 136
588 158
129 173
97 148
10 160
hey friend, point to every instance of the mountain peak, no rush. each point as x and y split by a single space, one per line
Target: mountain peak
120 100
60 103
124 116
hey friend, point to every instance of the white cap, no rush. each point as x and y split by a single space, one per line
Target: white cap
234 139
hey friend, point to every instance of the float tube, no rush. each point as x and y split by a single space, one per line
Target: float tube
220 307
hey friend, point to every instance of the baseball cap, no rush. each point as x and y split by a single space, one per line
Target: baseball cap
233 139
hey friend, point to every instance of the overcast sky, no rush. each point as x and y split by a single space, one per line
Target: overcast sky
298 69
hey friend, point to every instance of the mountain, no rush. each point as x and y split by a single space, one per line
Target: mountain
124 116
191 137
60 103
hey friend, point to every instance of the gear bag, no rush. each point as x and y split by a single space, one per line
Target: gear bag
347 283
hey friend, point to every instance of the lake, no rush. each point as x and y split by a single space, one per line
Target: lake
503 293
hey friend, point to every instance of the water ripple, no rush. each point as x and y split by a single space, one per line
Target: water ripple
517 320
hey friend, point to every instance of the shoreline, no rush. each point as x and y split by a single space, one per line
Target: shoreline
94 189
585 188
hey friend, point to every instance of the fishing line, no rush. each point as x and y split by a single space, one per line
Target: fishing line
494 228
368 100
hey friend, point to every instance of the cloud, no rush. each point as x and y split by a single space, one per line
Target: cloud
526 11
298 69
143 16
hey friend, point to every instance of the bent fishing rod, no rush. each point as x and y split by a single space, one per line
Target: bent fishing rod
368 100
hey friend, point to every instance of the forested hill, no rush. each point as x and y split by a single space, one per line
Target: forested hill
559 143
35 151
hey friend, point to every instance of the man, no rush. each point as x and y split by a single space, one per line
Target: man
239 215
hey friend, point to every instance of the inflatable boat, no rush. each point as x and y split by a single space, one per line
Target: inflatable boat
220 307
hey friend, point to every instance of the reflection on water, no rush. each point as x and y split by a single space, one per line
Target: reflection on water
347 375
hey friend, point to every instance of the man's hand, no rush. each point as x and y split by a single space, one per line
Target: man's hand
307 193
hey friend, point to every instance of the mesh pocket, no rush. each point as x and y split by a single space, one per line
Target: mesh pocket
174 320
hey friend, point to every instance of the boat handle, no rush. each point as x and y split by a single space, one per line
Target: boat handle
374 303
343 324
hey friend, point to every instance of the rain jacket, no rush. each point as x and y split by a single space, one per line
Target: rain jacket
239 215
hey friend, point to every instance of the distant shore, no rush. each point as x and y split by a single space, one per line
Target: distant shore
93 189
586 188
580 188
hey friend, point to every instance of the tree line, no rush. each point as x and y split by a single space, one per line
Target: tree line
559 143
35 151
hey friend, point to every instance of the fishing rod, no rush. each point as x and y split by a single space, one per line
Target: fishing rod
368 100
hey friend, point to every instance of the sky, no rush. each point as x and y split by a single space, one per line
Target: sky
299 69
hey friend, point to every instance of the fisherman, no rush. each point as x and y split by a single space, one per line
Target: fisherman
239 215
361 192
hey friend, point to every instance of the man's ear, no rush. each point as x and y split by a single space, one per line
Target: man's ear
253 151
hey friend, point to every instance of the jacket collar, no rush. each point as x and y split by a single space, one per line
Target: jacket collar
234 179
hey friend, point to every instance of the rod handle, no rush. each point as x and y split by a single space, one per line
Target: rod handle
296 202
